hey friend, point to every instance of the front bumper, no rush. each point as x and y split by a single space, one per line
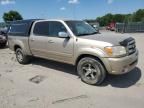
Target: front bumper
122 65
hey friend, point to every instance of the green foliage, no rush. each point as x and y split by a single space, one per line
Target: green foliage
138 16
106 19
12 16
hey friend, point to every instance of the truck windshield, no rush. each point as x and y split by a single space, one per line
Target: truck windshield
81 28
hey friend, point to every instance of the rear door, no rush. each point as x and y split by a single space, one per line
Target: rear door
39 39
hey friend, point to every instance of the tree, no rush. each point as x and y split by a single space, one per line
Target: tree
12 16
119 17
105 20
138 15
128 18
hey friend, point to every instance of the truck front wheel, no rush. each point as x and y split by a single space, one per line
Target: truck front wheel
21 57
91 71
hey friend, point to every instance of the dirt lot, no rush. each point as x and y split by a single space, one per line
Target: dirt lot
48 84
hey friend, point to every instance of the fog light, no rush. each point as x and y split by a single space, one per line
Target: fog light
125 69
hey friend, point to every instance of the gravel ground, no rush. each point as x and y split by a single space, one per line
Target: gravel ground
48 84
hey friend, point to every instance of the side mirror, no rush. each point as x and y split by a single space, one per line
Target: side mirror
63 35
94 26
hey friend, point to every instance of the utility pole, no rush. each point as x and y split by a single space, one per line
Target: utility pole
73 6
74 11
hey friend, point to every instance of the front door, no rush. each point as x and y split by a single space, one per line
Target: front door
60 49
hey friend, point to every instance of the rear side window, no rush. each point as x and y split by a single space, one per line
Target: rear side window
18 29
41 28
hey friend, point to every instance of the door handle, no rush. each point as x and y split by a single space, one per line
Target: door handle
32 39
50 41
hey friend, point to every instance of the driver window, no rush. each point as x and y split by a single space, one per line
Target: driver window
55 28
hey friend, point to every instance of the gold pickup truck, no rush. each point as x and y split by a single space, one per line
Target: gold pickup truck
74 42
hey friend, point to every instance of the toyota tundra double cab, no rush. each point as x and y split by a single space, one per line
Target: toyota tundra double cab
74 42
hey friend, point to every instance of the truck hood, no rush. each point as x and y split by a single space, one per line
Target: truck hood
113 39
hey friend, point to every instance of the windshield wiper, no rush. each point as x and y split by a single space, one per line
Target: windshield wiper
84 34
93 33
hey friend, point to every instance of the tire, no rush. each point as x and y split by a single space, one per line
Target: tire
91 71
21 57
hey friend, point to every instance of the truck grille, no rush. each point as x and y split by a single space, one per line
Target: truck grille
130 45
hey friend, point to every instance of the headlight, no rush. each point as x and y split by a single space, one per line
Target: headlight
115 51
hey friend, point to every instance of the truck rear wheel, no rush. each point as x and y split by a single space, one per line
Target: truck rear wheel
21 57
91 71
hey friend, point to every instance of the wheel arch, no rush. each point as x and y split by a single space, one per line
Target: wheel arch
16 46
92 56
87 55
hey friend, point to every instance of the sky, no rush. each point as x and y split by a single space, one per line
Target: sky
69 9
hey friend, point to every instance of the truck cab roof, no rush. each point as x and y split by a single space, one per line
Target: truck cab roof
23 27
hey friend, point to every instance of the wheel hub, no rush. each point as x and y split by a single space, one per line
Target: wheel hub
19 56
90 71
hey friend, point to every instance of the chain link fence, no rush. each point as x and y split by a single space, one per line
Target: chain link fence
130 27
